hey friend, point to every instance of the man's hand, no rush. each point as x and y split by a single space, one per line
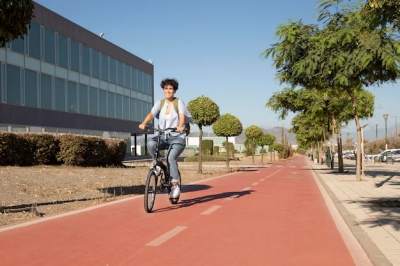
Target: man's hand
180 129
142 126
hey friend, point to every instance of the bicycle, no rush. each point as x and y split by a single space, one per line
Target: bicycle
159 174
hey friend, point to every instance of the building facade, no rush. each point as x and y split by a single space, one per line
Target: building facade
63 78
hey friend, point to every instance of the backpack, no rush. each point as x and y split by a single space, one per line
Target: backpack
175 102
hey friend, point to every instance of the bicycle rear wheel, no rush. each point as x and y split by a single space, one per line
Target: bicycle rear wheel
175 200
150 191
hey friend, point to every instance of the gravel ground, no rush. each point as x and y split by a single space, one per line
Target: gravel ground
28 193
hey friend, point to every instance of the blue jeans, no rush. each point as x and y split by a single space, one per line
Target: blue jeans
177 145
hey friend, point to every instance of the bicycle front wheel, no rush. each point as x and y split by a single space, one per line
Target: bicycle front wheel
150 191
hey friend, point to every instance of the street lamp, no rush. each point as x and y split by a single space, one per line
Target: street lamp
386 117
376 131
395 117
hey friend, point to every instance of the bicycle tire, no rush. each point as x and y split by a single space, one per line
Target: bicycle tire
390 160
175 200
150 191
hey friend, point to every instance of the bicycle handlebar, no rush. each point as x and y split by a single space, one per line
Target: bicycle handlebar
173 129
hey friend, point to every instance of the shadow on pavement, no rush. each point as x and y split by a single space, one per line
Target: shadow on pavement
189 202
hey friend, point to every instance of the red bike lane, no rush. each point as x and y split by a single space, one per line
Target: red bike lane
274 215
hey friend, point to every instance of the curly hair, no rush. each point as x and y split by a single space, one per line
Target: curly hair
173 82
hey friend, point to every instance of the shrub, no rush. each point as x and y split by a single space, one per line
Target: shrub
45 147
96 154
116 151
207 146
73 149
15 149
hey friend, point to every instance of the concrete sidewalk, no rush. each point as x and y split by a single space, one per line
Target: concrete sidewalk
371 207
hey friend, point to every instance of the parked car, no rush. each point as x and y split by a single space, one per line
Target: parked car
393 156
382 156
349 155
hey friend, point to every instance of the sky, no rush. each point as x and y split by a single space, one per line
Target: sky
212 47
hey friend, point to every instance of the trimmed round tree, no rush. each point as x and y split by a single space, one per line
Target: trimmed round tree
15 17
204 113
265 140
227 126
253 133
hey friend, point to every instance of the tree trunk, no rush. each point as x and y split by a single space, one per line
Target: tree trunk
262 154
340 150
227 153
358 156
199 170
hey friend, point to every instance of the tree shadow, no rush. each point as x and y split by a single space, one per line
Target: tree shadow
207 198
386 212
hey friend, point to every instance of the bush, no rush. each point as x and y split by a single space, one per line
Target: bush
45 147
207 146
15 149
96 154
73 149
116 151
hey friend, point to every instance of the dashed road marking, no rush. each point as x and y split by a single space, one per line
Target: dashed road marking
211 210
165 237
262 179
255 184
246 188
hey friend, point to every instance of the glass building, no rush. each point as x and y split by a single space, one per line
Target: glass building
63 78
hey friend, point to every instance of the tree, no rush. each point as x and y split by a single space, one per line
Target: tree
345 55
204 113
15 17
265 140
227 126
253 133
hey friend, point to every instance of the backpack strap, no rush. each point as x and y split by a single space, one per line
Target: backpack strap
175 104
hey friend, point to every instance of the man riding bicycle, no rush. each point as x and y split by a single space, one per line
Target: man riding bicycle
168 117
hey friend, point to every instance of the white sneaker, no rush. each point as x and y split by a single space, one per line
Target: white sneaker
175 192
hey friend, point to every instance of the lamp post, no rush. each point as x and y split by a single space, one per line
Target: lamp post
395 117
376 131
362 157
386 142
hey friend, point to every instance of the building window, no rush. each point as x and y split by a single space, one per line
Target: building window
95 64
45 91
74 56
18 46
62 53
135 79
118 106
60 94
113 71
120 73
104 67
127 77
125 110
93 98
85 60
111 104
34 40
49 46
83 99
72 97
102 103
13 85
141 82
31 90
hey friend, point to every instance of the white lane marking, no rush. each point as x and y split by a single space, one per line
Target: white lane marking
262 179
246 188
211 210
255 184
280 166
232 197
165 237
